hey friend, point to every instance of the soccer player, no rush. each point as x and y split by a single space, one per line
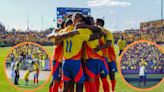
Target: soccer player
142 73
121 44
17 75
36 74
107 46
12 66
95 61
26 76
57 61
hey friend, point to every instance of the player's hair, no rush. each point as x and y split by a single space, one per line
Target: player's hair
68 22
77 15
101 21
62 25
88 20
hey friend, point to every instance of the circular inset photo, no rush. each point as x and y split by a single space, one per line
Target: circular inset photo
142 65
27 66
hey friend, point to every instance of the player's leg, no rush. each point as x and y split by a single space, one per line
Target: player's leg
144 80
57 74
78 75
140 79
79 87
71 86
112 69
66 86
67 75
85 82
103 75
15 77
34 78
90 69
27 81
18 77
50 86
113 80
37 76
105 83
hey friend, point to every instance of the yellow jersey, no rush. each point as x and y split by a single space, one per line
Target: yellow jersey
35 66
26 75
121 44
89 46
108 52
73 45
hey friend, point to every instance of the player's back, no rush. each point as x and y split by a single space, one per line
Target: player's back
73 45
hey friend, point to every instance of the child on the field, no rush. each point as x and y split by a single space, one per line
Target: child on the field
142 73
26 76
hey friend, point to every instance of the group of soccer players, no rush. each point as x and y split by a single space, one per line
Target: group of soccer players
83 54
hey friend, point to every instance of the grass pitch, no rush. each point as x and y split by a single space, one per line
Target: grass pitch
6 87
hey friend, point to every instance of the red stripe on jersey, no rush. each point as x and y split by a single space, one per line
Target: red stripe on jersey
111 54
91 54
58 53
76 57
103 50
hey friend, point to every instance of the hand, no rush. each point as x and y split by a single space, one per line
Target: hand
52 35
95 50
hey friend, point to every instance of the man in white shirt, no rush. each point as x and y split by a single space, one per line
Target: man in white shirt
142 75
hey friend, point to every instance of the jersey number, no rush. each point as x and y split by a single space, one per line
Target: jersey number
69 46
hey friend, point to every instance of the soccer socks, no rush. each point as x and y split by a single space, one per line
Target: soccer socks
55 87
97 81
50 89
86 86
113 82
105 85
92 87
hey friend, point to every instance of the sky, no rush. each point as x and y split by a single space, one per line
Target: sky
118 14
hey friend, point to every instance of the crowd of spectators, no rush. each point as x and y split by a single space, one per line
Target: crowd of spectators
153 57
10 38
155 35
27 54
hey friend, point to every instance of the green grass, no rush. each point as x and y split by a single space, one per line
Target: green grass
30 84
5 86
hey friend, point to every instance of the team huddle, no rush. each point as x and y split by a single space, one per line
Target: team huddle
83 54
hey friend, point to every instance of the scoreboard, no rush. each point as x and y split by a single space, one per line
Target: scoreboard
66 12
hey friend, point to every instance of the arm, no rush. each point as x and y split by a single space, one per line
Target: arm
66 35
93 28
108 44
94 36
58 38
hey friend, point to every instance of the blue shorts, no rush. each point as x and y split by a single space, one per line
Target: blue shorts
105 69
112 66
57 74
73 71
96 66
